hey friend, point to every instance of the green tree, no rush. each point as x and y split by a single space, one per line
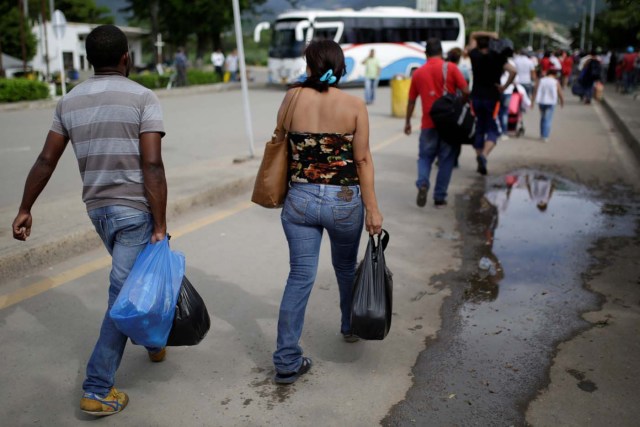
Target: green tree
85 11
515 14
179 21
10 16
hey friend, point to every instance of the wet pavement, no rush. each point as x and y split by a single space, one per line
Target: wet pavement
526 241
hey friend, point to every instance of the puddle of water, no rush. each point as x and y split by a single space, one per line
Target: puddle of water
526 243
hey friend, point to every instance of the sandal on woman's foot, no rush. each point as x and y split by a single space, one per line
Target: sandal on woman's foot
293 376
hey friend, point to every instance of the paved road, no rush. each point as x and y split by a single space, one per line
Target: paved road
236 257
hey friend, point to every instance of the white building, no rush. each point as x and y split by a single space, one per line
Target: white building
73 49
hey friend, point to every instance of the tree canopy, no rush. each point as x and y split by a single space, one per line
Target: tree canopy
10 40
514 15
178 20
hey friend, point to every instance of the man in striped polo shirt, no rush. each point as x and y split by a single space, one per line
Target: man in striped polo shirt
115 126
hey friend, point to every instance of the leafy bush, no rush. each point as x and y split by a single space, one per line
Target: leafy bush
14 90
156 81
150 80
199 77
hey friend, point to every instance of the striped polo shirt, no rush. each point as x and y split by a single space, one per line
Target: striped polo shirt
104 117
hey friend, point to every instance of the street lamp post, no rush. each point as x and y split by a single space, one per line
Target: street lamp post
59 23
243 77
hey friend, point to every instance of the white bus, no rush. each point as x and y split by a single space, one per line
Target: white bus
398 35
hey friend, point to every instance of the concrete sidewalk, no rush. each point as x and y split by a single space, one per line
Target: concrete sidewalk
62 228
69 231
625 112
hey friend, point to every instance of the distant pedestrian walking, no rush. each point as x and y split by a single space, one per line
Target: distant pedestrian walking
217 59
331 188
428 83
548 94
180 63
115 126
371 76
629 64
232 65
525 71
488 66
590 72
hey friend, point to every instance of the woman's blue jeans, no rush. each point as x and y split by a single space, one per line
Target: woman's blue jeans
125 231
308 210
546 116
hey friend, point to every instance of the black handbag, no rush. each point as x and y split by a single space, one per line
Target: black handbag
453 117
191 322
372 303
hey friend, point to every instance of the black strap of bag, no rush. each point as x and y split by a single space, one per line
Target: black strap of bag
383 238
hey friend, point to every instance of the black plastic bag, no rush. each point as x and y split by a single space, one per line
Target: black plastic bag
191 322
372 293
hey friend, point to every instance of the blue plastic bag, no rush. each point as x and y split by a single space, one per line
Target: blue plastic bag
146 304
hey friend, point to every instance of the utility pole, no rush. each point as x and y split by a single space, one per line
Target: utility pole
592 18
498 15
23 41
46 43
485 15
584 27
243 77
2 75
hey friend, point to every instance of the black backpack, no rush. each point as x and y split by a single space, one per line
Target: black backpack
453 117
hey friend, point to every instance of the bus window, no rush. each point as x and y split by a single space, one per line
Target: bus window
283 41
324 33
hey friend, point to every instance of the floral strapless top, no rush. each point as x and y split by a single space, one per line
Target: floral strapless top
322 158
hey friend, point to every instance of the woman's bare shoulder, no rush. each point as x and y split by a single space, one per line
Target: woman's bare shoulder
351 100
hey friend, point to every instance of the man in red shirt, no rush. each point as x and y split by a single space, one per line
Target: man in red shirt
628 70
428 84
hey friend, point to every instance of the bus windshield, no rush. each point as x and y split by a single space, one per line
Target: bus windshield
283 40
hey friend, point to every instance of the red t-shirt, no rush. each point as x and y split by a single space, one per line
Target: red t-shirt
545 64
427 83
628 61
567 66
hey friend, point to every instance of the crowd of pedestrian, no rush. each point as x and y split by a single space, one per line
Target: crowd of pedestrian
330 167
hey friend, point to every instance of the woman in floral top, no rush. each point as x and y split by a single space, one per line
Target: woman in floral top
332 189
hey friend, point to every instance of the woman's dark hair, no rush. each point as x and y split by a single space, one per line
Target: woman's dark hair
105 46
322 56
454 55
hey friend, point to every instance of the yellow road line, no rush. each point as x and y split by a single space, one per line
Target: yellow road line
387 142
44 285
7 300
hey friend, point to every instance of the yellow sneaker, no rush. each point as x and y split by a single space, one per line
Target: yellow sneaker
112 403
158 356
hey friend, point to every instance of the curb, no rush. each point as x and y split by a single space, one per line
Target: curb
60 248
161 93
627 135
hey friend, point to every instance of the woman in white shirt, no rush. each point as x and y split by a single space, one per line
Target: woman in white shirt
547 94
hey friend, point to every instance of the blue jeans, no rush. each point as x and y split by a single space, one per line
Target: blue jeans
628 81
308 210
505 99
432 146
546 116
486 111
370 90
125 232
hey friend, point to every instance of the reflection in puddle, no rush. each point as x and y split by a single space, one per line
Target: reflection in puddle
525 258
526 293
